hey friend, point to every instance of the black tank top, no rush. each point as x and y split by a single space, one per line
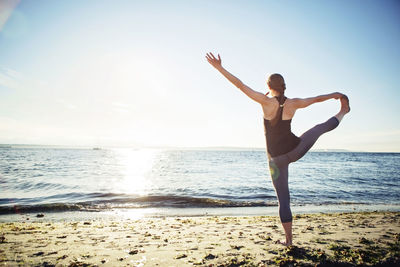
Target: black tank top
279 137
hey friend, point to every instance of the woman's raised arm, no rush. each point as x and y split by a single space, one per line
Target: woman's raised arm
305 102
256 96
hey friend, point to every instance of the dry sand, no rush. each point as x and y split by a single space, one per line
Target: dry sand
370 238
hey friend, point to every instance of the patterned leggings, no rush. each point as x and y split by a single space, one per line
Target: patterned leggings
279 165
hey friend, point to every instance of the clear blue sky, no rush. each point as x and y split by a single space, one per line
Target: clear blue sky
133 73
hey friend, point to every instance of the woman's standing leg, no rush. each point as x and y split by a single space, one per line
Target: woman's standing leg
279 174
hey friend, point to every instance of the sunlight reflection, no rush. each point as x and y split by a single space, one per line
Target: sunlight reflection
135 165
135 214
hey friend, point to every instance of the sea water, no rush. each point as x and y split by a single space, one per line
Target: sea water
60 179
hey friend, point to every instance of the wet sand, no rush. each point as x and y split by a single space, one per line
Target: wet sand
345 239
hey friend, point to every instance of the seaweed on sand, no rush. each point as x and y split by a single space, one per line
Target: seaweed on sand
298 256
243 260
369 255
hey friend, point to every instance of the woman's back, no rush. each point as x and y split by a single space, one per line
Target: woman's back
272 108
279 137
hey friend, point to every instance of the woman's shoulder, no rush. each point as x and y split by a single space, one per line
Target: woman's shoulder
292 101
270 108
290 106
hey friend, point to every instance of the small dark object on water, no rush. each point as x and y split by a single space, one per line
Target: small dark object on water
40 215
87 223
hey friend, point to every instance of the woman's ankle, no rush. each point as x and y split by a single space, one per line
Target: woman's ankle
289 241
339 116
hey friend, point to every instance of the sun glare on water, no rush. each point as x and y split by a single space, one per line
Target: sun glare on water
135 166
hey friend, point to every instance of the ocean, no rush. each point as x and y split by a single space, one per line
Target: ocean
64 180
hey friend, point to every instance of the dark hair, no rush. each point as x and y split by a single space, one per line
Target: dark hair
277 83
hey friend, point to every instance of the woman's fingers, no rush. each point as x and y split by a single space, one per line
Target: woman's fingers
212 59
212 56
209 59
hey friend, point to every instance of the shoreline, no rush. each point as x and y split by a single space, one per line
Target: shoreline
138 213
369 238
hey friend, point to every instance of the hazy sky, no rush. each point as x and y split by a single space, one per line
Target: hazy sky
133 73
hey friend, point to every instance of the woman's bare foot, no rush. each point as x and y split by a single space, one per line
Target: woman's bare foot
287 226
344 100
285 243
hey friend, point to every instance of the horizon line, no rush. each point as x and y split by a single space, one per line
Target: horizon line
5 145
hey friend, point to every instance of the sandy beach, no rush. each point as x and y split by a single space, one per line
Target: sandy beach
347 239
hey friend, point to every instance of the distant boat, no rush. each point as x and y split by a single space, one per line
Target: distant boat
96 148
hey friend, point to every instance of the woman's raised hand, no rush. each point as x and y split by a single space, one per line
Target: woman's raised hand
215 62
337 95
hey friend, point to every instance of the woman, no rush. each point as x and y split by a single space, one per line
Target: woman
283 146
